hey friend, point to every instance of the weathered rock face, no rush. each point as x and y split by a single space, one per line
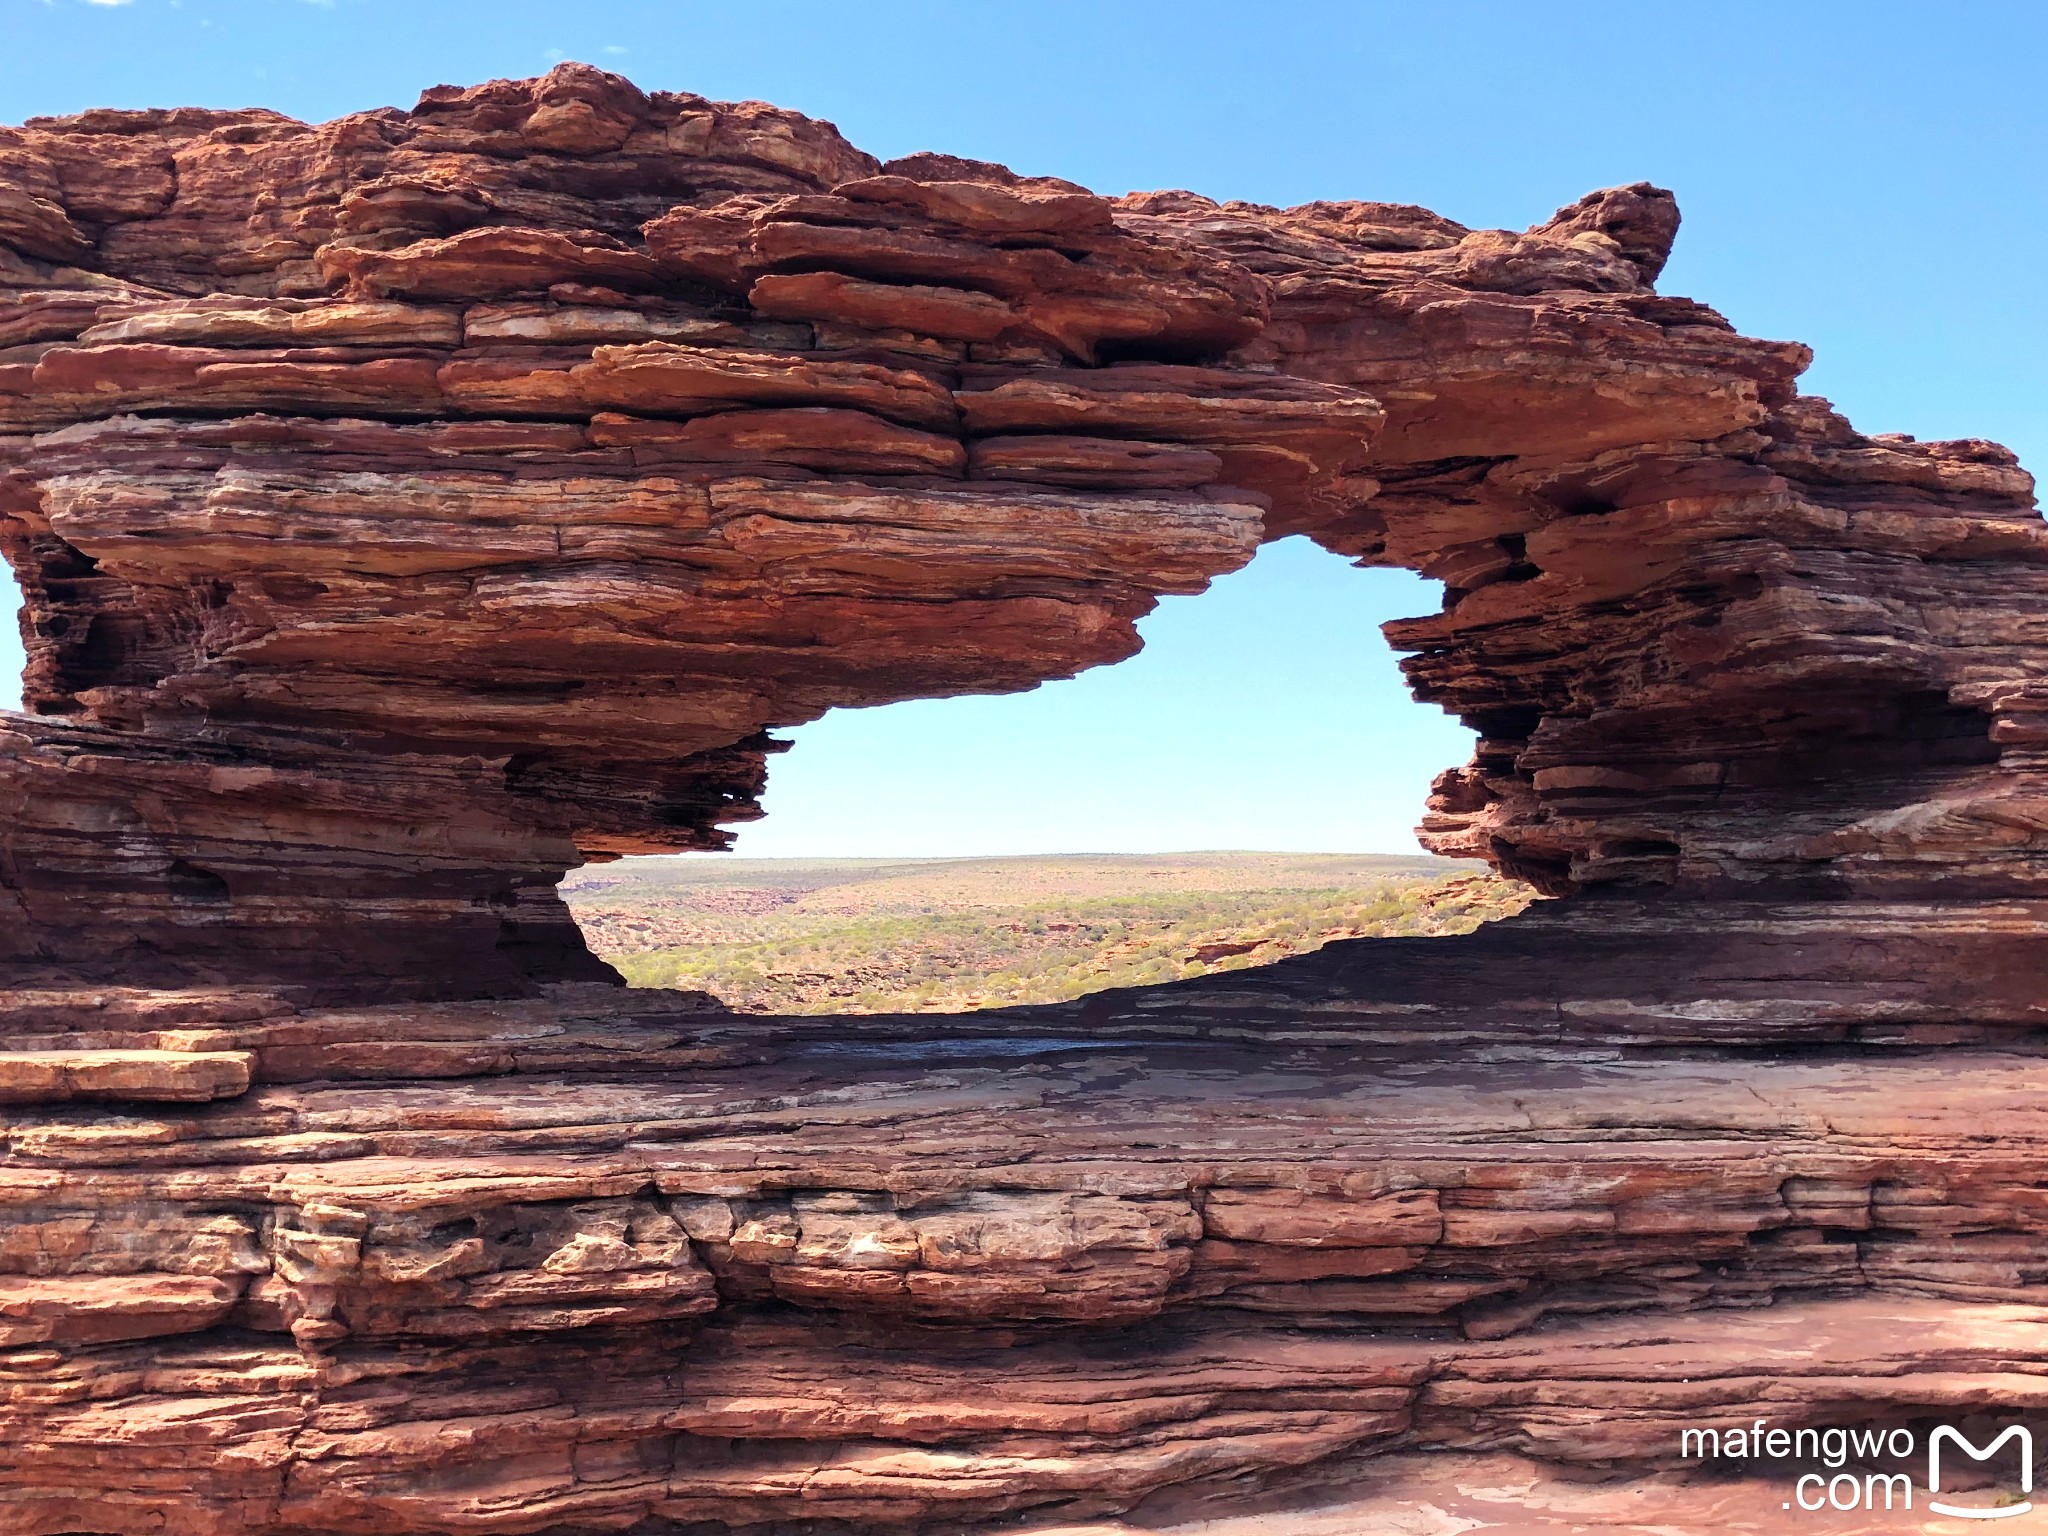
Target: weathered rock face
578 436
572 1266
413 507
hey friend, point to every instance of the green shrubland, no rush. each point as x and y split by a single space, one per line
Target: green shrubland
872 936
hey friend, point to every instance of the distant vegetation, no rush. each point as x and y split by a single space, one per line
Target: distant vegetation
941 935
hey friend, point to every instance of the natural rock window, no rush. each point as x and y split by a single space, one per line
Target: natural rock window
1266 718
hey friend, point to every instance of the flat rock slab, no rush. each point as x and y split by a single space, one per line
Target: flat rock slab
177 1077
96 1309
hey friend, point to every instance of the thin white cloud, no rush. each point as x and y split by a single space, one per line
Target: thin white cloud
614 48
109 2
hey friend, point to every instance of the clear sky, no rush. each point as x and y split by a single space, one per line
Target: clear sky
1871 178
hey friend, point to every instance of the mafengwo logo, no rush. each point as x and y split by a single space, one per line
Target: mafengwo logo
1947 1436
1873 1485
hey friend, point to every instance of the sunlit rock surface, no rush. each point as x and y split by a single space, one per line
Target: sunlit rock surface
413 507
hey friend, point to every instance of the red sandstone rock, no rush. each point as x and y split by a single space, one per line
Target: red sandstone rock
48 1077
414 506
489 1285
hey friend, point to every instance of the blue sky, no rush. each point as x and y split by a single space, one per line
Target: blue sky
1869 178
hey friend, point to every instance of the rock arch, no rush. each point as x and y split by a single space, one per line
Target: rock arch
413 506
548 478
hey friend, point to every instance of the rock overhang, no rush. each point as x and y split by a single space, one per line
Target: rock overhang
598 432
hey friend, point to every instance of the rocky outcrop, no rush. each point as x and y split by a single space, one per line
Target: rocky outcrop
413 507
564 1265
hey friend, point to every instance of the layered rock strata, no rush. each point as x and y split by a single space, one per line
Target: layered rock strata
413 507
569 1266
580 436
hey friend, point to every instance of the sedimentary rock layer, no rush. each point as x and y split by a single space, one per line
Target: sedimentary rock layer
565 1266
414 506
585 435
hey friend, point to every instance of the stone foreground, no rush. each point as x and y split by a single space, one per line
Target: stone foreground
583 1262
413 507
